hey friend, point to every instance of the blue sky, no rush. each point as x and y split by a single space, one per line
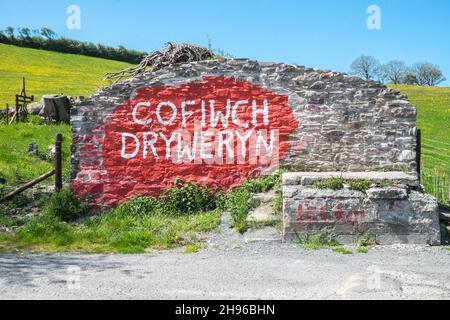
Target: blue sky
327 34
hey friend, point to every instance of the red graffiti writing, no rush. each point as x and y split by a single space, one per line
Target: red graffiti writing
308 214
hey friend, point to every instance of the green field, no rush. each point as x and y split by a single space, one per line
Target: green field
15 165
49 72
46 72
433 108
433 118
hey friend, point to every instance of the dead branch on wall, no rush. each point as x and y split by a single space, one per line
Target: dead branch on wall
172 54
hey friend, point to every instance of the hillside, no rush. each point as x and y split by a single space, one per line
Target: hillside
50 72
433 117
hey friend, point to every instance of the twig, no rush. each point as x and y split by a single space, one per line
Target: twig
172 54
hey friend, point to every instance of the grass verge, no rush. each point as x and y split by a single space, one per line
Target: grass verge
111 232
137 225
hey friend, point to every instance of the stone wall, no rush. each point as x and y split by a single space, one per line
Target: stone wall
327 121
393 210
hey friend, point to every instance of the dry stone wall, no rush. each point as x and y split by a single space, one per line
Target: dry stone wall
327 121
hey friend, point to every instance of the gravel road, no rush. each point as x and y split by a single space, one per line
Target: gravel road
232 267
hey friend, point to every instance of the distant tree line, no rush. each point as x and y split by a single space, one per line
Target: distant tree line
397 72
47 39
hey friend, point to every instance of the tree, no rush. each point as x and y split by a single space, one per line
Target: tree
428 74
394 71
48 33
10 32
410 78
47 39
366 67
24 33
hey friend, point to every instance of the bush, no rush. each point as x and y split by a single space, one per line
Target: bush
65 206
239 203
138 206
263 184
188 198
182 199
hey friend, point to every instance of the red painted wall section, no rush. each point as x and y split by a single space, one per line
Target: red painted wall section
218 132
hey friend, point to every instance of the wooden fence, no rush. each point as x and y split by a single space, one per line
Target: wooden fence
437 186
57 172
434 167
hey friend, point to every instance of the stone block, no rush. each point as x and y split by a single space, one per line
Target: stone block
390 193
390 214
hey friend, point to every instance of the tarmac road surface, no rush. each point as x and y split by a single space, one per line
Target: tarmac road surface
240 268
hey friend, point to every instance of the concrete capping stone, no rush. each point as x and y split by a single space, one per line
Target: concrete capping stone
389 193
308 178
309 193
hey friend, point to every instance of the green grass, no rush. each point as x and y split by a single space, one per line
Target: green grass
342 250
365 240
337 184
319 240
433 117
7 221
359 185
46 72
139 224
112 232
15 164
334 184
193 248
362 250
49 72
276 223
239 201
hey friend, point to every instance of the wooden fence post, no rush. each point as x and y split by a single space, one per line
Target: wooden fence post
27 186
17 109
419 152
58 162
